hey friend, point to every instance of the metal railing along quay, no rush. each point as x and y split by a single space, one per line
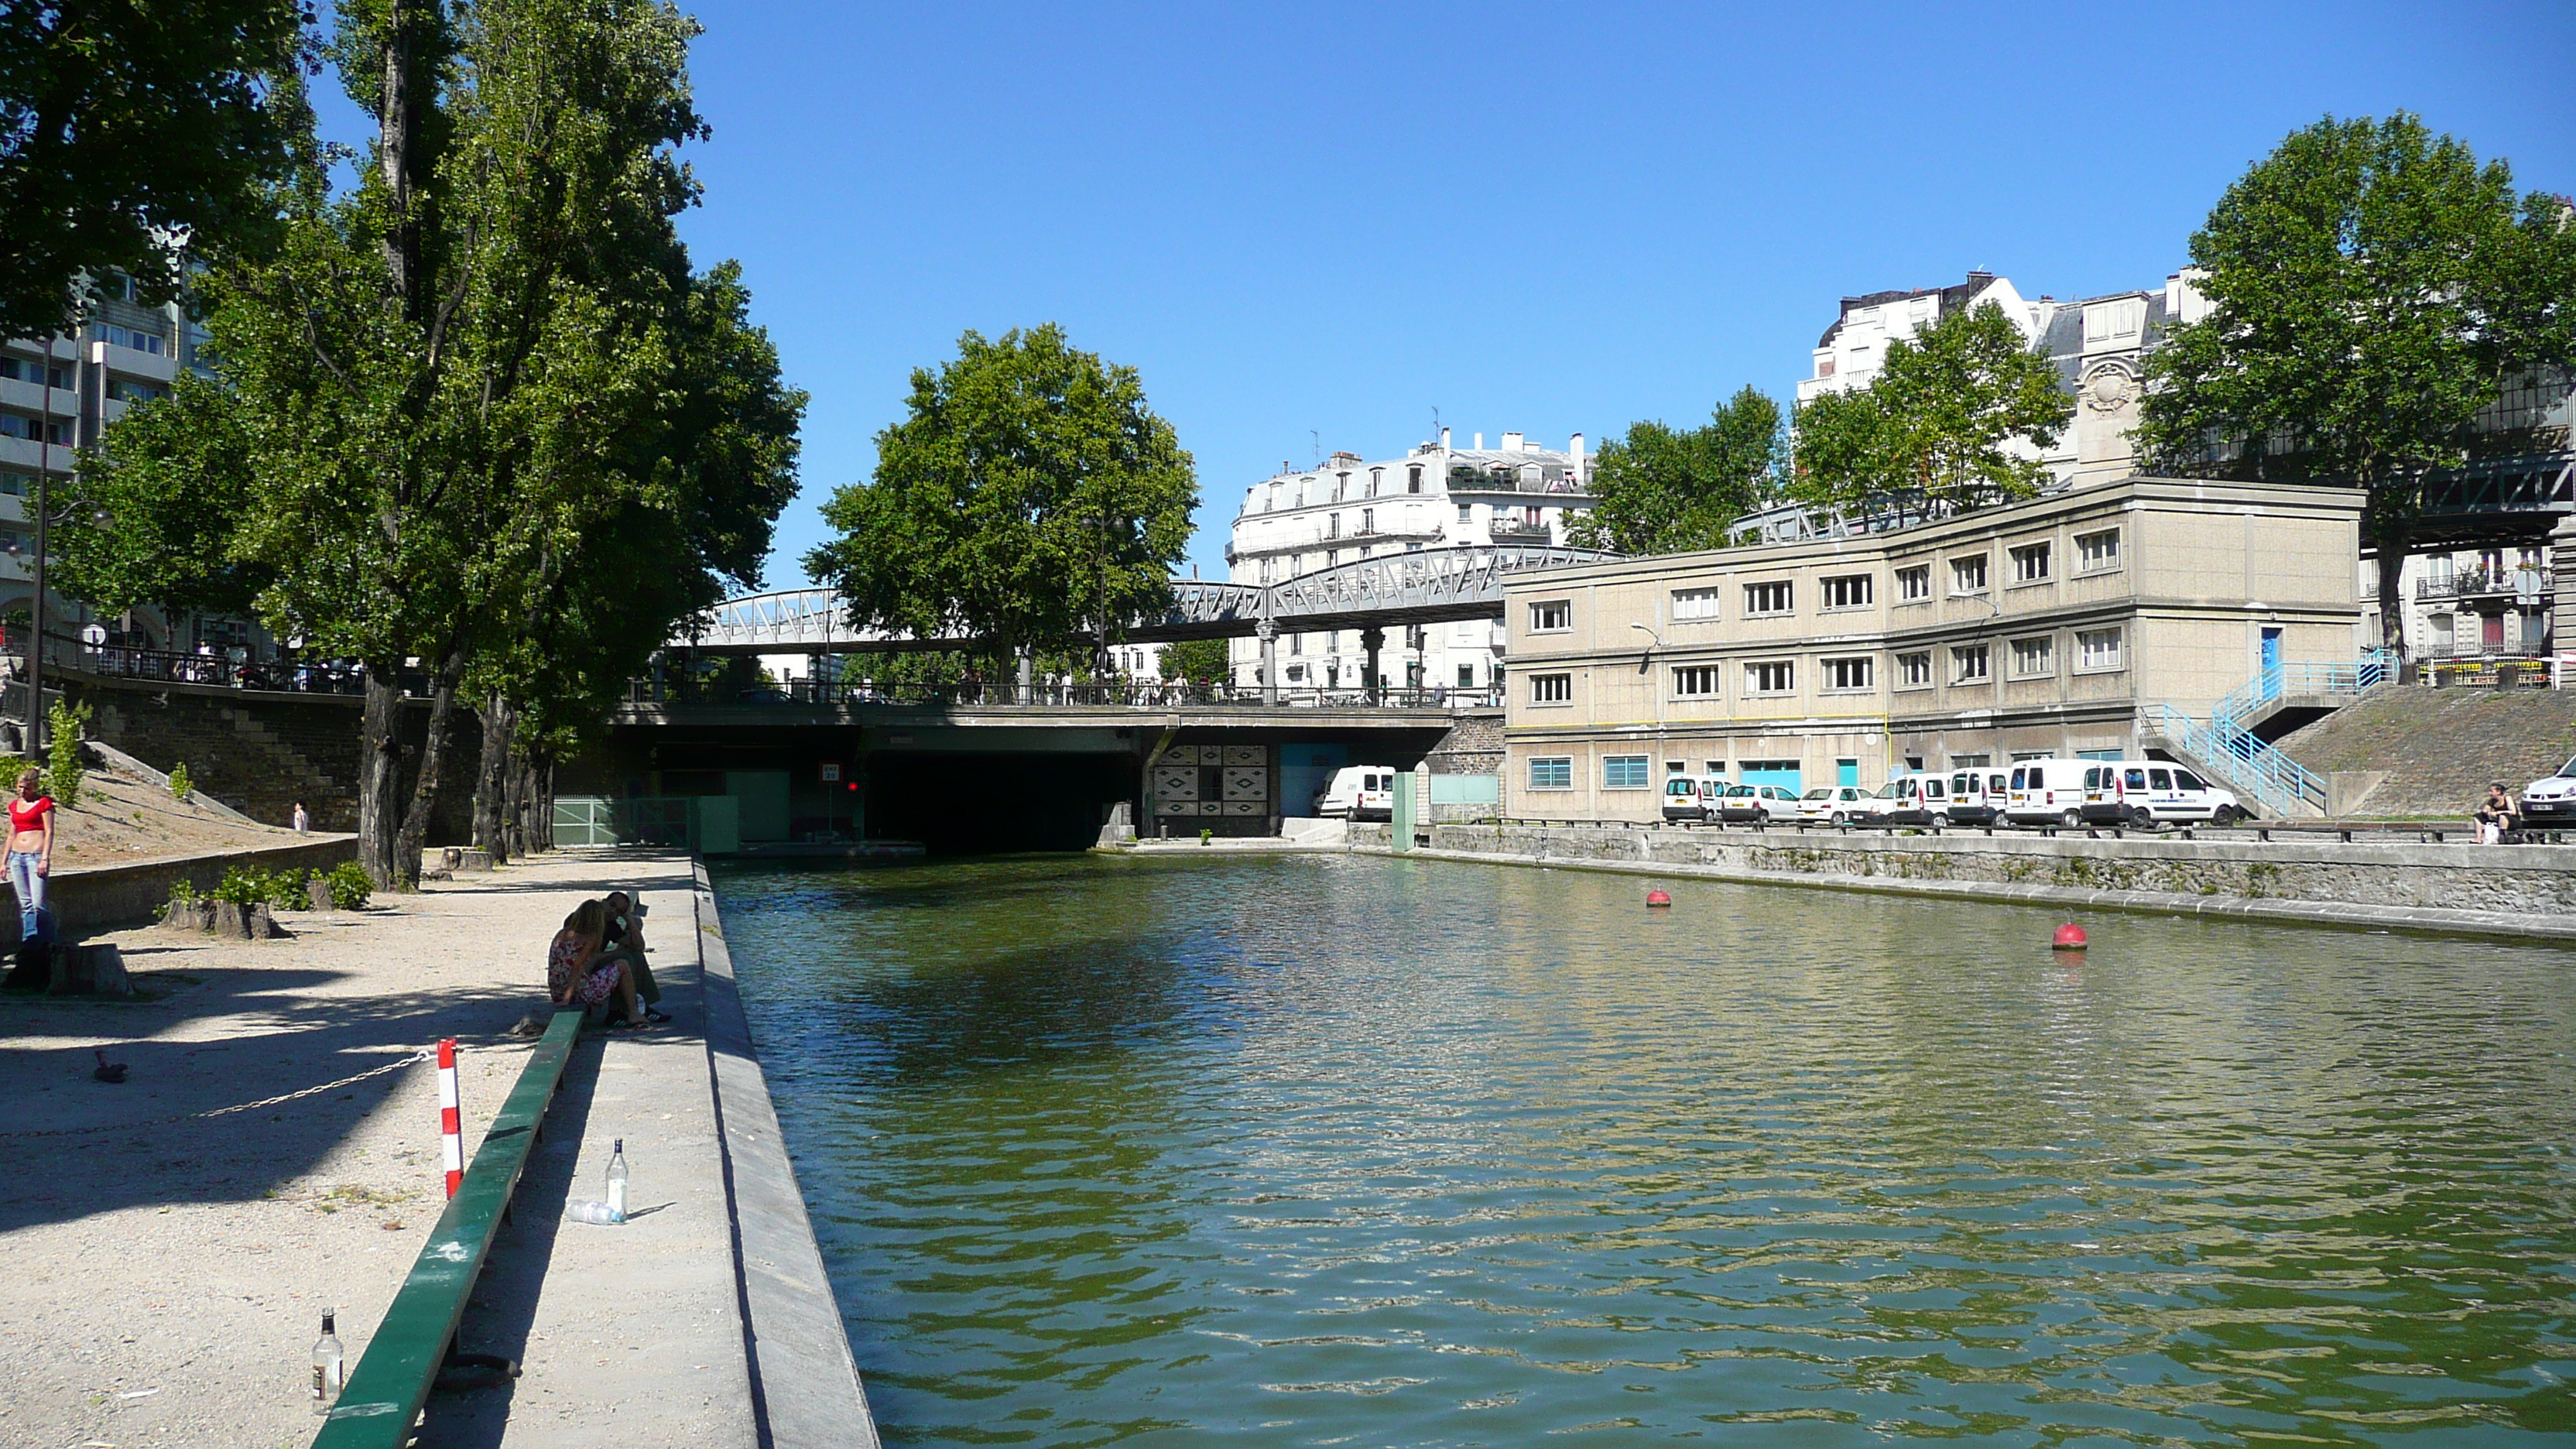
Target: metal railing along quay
2227 742
235 667
1136 694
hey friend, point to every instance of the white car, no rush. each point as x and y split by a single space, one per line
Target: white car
1834 804
1747 804
2550 801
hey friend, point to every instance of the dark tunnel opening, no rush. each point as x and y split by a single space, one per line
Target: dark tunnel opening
962 804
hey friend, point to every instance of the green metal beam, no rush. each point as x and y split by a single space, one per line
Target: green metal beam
392 1380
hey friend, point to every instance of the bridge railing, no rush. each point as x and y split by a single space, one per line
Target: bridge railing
1126 694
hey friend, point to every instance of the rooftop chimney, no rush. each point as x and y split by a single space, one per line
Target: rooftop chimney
1575 447
1480 442
1511 442
1444 437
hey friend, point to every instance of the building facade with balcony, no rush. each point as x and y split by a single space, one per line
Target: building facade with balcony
1300 521
2052 627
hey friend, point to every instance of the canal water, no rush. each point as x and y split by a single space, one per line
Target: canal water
1337 1150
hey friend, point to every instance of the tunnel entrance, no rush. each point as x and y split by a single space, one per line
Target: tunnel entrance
969 804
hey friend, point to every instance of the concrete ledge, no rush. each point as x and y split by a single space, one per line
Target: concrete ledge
804 1381
2500 891
132 893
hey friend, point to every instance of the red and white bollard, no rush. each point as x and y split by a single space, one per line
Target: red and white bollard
451 1131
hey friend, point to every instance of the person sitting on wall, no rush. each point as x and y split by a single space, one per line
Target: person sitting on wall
2495 815
622 939
576 977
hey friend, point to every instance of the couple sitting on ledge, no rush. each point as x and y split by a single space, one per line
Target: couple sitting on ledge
599 955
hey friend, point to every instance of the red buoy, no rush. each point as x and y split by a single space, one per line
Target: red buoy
1658 898
2070 937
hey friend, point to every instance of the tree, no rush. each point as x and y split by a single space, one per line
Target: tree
1939 422
1202 660
2372 288
455 380
133 136
1030 499
1663 490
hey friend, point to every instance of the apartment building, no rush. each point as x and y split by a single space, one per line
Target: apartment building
57 395
1303 521
2043 628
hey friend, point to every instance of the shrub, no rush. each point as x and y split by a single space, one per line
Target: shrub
180 784
243 885
64 723
350 887
182 895
286 890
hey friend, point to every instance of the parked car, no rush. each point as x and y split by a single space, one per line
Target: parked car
1359 792
1910 800
1692 797
1747 804
2160 793
2550 801
1833 804
764 694
1977 796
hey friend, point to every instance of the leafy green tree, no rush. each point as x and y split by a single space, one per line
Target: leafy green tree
1197 659
450 381
126 126
2372 288
1939 422
1030 499
1665 490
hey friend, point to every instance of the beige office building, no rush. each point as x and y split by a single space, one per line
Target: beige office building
2045 628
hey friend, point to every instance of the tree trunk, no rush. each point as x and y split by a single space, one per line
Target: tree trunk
424 791
2391 521
380 775
514 798
492 821
539 795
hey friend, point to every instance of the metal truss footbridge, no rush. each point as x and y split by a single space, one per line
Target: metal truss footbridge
1399 589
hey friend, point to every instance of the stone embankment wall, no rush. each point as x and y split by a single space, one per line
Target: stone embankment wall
2510 889
96 897
2429 753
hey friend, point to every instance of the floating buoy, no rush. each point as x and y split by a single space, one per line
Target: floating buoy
2070 937
1658 898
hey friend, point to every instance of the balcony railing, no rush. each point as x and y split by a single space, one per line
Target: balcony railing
2485 584
1518 532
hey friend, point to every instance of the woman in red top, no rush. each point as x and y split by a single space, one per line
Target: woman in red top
31 851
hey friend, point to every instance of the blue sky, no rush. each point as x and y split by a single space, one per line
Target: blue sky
1327 220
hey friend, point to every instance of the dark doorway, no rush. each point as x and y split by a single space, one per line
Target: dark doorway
967 804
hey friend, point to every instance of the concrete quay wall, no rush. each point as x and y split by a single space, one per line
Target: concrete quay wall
90 898
2503 890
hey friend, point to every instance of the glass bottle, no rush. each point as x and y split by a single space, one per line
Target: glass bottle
617 1180
327 1368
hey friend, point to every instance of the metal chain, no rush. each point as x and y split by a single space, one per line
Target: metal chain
393 1066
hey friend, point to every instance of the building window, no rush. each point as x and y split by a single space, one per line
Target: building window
1374 475
1694 604
1368 520
1968 575
1771 676
1848 675
1551 689
1968 664
1413 479
1914 671
1846 591
1466 513
1466 676
2034 658
1914 583
1553 772
1695 681
1770 598
1625 772
2030 564
2097 551
1552 617
2097 648
1341 486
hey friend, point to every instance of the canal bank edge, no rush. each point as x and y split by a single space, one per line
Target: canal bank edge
805 1384
2520 893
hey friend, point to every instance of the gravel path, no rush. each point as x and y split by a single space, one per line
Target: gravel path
163 1283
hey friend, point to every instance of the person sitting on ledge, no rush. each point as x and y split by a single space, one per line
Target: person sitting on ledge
622 939
575 974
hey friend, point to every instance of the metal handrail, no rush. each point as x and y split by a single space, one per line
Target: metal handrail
2253 764
1133 694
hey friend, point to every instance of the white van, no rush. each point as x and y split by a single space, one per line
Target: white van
2159 792
1692 797
1977 795
1909 800
2069 794
1359 792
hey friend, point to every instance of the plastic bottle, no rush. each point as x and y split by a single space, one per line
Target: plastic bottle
617 1179
327 1368
586 1211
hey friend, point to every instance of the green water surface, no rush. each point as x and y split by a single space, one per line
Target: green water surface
1331 1150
